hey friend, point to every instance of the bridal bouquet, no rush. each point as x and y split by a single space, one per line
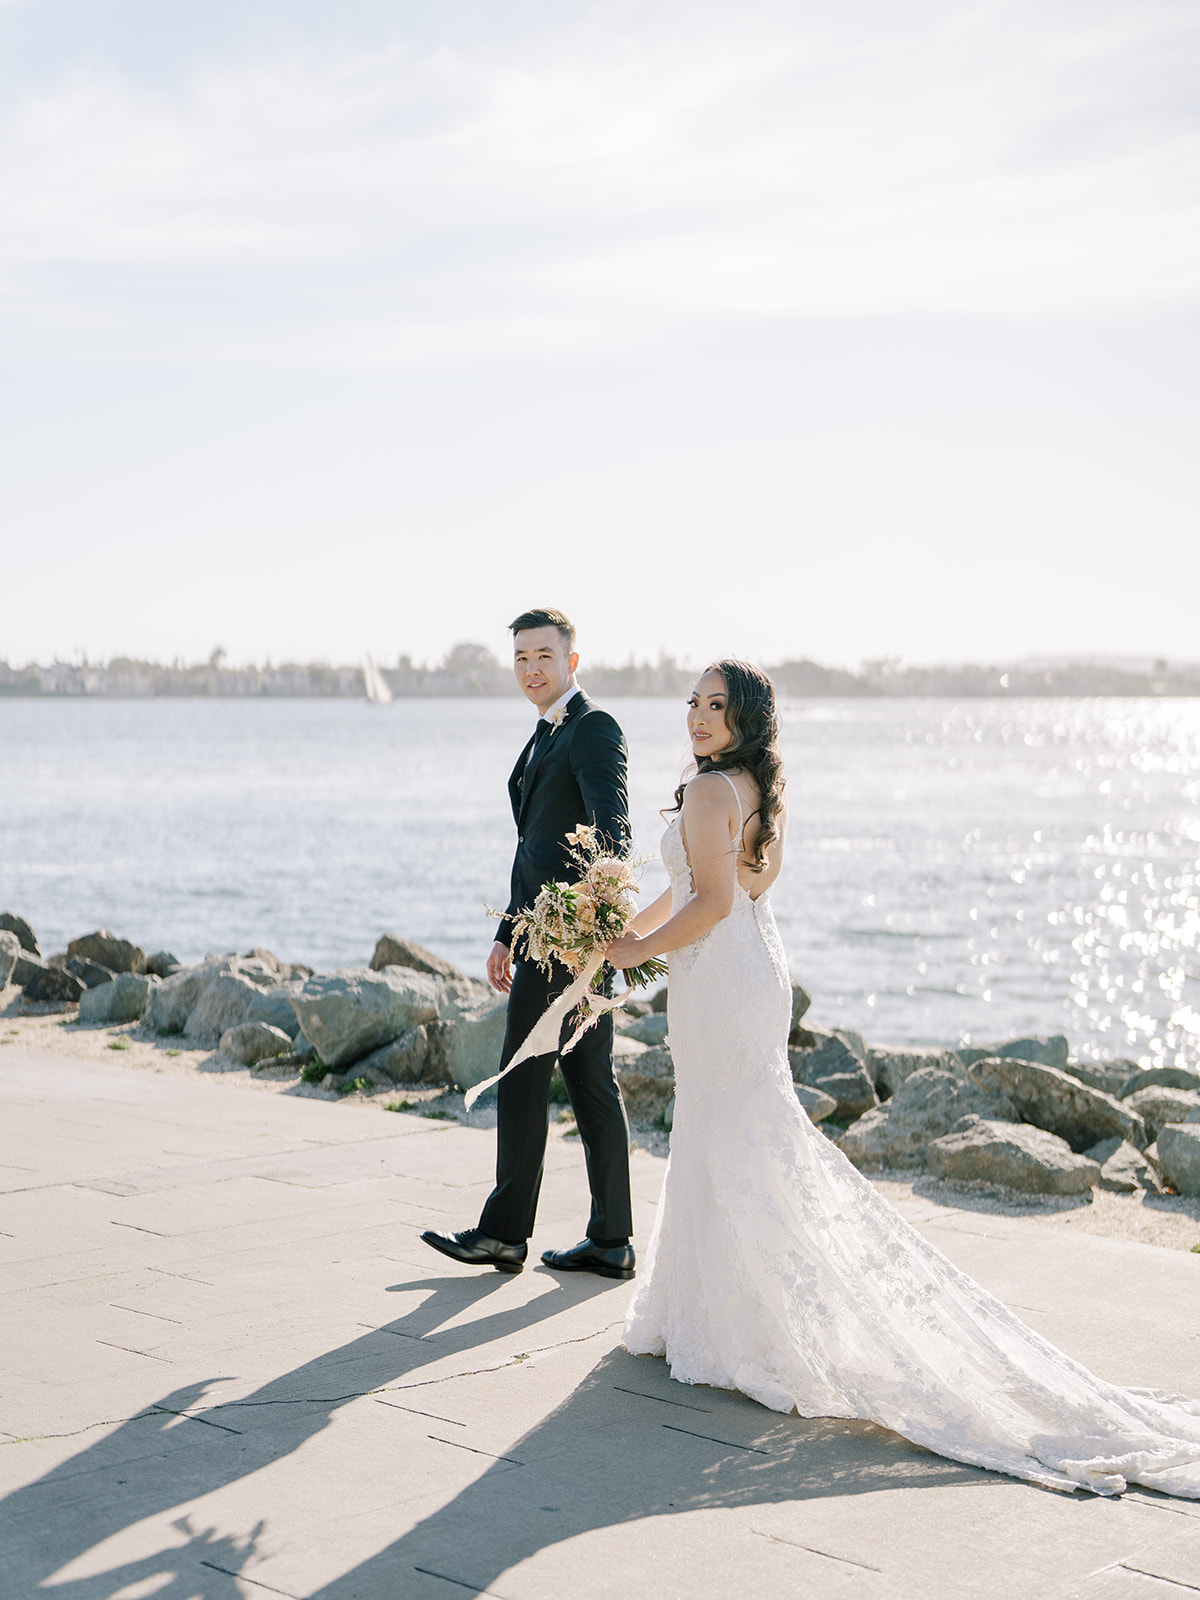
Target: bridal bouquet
573 923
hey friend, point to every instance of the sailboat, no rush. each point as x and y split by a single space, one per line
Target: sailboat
379 691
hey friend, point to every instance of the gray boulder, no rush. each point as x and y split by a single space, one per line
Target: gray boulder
801 1000
816 1102
658 1000
10 922
271 968
122 999
1048 1050
10 951
264 974
1124 1169
90 973
460 996
853 1094
1011 1154
888 1066
1159 1106
473 1042
1179 1156
118 955
224 1002
418 1056
348 1014
1158 1078
1058 1103
836 1064
53 984
177 996
647 1030
274 1007
251 1042
393 952
26 968
832 1050
1107 1076
647 1080
626 1048
924 1108
162 964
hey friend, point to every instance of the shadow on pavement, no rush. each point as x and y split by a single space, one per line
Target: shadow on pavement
629 1445
164 1457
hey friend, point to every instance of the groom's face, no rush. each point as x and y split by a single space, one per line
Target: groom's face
544 667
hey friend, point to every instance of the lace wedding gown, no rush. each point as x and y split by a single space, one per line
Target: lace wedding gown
776 1269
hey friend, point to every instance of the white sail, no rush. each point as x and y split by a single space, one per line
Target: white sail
378 689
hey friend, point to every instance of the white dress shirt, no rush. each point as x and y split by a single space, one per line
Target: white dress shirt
561 703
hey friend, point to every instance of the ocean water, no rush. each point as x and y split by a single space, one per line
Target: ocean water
957 870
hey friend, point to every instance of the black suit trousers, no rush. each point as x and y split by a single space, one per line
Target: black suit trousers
523 1108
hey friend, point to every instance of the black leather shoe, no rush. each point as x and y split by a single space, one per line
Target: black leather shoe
588 1257
475 1249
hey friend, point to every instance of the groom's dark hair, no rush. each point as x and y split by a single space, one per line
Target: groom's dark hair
546 618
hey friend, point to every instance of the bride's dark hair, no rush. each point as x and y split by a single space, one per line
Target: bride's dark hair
752 719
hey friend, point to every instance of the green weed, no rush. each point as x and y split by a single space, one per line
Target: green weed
558 1090
119 1044
172 1052
399 1105
170 1031
439 1115
352 1085
313 1071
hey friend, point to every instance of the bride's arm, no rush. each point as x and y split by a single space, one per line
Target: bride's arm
707 816
652 916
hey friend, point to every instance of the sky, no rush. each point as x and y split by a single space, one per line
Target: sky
836 329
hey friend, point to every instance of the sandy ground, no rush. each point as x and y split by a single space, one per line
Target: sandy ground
1165 1220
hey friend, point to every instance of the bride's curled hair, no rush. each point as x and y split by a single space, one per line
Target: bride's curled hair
752 719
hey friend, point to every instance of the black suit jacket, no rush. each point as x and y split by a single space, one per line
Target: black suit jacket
577 774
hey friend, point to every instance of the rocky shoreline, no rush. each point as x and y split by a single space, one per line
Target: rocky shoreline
1020 1115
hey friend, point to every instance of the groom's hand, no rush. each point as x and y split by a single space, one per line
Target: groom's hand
499 967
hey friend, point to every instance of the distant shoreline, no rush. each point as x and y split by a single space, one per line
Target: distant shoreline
472 672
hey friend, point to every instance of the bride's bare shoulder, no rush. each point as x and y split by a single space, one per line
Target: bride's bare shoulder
708 790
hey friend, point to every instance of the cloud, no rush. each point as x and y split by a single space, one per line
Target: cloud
625 168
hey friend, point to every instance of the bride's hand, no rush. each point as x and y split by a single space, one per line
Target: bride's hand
624 952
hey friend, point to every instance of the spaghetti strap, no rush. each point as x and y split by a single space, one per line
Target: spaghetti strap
738 798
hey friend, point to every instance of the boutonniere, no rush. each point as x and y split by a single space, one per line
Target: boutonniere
557 718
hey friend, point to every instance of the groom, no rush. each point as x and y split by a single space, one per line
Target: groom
572 770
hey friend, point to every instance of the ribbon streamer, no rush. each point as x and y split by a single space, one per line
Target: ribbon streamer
543 1037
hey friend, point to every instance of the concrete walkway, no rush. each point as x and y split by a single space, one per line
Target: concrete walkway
230 1368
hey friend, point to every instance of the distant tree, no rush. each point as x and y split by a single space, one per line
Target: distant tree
470 661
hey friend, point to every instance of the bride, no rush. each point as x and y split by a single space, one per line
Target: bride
774 1267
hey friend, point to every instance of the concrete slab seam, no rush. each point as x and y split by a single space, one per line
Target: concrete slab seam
244 1578
475 1372
428 1572
729 1444
812 1550
1144 1572
456 1445
662 1400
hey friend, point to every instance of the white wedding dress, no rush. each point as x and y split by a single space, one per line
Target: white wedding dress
776 1269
